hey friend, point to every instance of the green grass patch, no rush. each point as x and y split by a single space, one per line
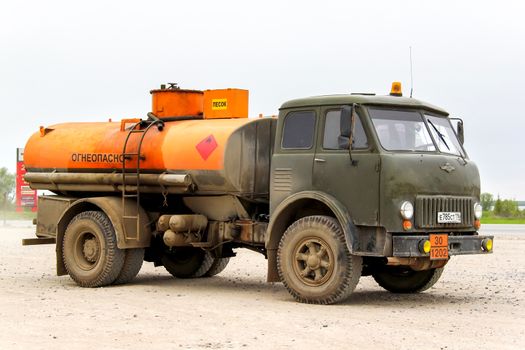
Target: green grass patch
496 220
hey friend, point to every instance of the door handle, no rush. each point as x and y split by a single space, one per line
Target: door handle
320 160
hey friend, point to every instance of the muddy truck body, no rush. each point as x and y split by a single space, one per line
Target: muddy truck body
334 188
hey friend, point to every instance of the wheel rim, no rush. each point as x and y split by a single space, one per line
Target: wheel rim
87 250
313 261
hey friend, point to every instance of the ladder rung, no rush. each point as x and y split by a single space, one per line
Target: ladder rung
128 156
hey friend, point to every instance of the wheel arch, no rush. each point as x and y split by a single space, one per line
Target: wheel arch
299 205
112 207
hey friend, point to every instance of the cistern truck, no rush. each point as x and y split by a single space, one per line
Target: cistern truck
334 188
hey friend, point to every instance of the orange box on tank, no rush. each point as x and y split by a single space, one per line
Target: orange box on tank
225 103
176 102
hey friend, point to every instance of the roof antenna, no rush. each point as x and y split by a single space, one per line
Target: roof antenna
411 77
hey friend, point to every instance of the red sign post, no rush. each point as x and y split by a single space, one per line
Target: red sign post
25 196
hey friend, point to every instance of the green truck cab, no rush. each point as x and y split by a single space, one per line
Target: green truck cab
395 205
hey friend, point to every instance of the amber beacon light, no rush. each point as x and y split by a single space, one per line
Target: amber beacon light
396 89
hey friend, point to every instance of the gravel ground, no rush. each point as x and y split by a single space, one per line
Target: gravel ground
478 304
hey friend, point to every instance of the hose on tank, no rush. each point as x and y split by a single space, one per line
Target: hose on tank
152 117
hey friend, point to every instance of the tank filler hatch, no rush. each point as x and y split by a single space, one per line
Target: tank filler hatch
172 101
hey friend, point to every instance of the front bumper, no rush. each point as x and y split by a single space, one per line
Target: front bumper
408 246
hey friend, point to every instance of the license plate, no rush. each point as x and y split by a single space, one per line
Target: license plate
438 247
449 217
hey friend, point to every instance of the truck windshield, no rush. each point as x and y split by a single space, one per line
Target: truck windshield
401 130
444 135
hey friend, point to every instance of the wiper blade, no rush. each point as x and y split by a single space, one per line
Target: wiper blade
441 136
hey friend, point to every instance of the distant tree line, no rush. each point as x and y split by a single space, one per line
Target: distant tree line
7 187
506 208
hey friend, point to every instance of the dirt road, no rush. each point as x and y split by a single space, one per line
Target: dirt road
479 303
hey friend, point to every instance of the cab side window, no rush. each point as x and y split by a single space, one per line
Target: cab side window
298 132
332 132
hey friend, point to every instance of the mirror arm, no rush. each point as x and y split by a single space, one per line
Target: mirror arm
351 136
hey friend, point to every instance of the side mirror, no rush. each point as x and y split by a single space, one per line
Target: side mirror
459 129
461 133
345 128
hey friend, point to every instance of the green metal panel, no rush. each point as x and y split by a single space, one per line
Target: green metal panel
291 169
355 185
405 176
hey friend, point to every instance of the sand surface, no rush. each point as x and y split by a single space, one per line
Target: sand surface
479 303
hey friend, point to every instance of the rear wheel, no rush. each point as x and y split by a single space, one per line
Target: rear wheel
132 264
90 251
314 262
187 262
405 280
219 264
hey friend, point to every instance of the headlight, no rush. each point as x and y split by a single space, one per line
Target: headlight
407 210
478 210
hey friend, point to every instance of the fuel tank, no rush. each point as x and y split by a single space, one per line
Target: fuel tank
202 156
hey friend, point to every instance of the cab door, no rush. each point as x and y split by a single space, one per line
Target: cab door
294 151
354 183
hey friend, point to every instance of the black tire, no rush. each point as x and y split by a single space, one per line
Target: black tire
90 251
187 262
132 264
219 264
314 262
405 280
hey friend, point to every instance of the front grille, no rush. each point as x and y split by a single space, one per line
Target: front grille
427 208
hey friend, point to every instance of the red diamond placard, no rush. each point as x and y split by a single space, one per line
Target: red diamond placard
206 146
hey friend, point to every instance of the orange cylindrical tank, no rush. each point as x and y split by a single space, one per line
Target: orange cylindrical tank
175 102
220 155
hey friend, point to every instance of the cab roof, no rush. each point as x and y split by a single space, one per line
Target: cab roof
364 99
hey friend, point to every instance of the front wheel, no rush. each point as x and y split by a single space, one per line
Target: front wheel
405 280
314 262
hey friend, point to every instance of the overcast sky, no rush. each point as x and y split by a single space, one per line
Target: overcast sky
92 60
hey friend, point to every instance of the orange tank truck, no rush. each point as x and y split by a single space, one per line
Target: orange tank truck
320 191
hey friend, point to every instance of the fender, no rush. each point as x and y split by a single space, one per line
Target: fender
127 235
285 212
278 217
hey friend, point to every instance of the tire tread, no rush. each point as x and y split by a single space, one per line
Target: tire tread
132 265
417 288
219 264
